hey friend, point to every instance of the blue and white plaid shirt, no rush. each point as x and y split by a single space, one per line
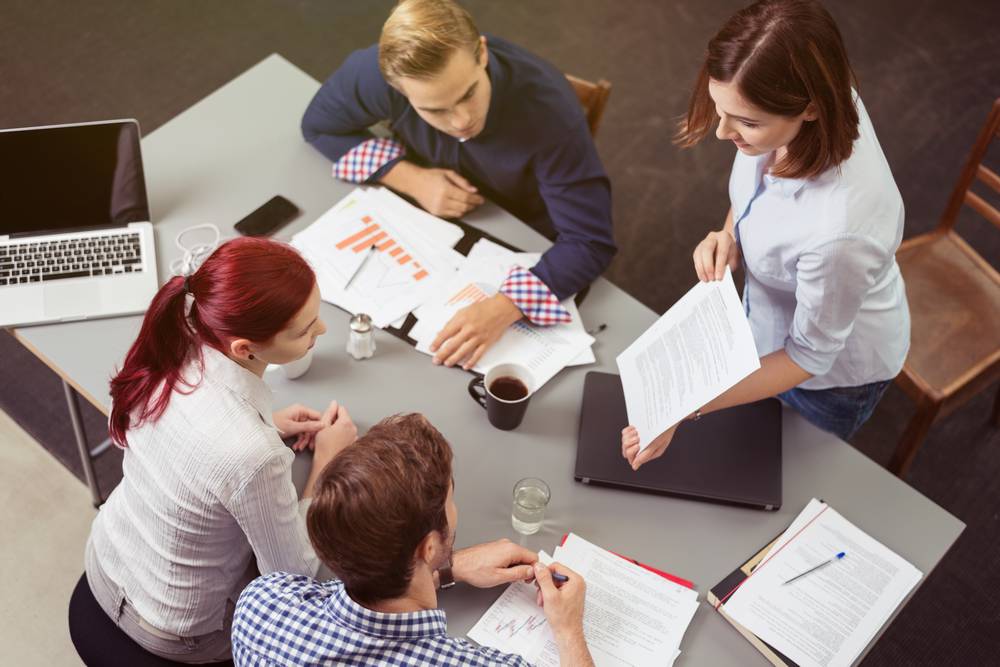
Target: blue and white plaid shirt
289 620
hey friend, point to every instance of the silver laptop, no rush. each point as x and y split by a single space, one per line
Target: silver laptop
75 237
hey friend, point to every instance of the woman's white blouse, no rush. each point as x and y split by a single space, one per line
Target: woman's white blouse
205 486
822 279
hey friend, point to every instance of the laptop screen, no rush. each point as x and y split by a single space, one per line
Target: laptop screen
59 178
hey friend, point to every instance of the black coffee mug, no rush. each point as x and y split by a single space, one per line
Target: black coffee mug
504 391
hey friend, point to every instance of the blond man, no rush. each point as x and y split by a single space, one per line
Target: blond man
473 118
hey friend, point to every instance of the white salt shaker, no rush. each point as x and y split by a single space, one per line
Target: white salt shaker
361 343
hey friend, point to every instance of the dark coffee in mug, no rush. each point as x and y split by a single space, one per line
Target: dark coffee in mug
508 388
504 391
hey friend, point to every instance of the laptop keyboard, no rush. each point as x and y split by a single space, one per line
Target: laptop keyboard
40 261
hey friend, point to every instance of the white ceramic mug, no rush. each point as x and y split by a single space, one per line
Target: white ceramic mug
296 369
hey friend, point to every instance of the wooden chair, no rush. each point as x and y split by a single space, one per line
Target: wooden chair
954 297
593 98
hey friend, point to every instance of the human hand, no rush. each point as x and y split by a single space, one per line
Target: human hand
493 563
335 438
563 605
441 192
713 254
630 446
300 421
473 329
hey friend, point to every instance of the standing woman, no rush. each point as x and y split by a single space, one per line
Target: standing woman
207 481
815 217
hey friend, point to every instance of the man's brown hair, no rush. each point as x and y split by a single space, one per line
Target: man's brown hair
782 55
376 501
420 35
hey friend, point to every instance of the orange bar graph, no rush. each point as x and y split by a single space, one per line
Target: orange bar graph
395 251
471 293
383 246
354 238
404 259
420 275
368 243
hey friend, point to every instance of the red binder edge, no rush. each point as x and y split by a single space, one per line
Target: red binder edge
666 575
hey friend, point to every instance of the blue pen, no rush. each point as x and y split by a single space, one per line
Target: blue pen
821 565
559 578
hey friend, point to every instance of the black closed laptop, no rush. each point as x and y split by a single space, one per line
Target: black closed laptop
730 456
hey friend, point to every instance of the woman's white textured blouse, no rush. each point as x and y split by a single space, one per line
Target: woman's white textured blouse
205 486
822 278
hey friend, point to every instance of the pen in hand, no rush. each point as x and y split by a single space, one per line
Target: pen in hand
817 567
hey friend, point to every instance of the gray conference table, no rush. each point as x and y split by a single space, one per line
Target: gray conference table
240 145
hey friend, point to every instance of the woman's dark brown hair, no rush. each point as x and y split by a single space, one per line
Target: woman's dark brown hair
782 55
376 501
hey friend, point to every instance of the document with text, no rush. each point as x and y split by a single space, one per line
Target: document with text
697 350
632 617
827 617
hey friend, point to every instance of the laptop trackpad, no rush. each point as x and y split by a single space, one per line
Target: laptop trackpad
67 301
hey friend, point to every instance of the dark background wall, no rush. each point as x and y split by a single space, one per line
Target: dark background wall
928 73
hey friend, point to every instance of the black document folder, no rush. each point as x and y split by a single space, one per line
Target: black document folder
729 456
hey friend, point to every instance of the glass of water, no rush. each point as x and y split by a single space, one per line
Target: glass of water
531 497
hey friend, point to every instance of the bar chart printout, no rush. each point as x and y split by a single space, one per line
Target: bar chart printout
371 257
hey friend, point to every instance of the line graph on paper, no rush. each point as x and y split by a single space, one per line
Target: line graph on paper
508 629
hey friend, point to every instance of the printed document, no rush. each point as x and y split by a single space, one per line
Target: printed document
697 350
543 350
412 252
827 617
632 617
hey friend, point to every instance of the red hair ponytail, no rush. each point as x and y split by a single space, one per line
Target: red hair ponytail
248 288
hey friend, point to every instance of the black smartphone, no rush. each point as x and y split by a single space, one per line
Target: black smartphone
270 217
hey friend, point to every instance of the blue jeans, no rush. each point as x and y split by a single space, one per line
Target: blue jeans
839 410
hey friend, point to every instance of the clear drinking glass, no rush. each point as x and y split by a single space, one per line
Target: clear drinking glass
531 497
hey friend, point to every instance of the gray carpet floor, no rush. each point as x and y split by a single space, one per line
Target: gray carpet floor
928 74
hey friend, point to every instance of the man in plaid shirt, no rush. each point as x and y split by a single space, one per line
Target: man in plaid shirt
473 119
383 519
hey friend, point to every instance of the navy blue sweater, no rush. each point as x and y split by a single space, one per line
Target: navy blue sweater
534 157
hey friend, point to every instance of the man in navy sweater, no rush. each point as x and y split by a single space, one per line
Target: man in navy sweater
472 119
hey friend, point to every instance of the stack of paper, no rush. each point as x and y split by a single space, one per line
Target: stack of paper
413 252
543 350
825 618
632 616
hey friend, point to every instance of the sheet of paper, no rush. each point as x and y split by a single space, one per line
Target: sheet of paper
632 617
698 349
412 254
828 617
543 350
516 624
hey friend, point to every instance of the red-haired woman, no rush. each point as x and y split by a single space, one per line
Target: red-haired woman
815 217
207 484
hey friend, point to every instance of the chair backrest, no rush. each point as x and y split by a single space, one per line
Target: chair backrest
974 169
593 98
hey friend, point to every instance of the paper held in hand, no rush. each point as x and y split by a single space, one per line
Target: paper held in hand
632 617
697 350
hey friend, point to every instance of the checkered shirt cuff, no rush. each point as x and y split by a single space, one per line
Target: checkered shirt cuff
359 163
533 297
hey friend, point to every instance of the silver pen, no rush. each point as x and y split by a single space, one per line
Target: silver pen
371 251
